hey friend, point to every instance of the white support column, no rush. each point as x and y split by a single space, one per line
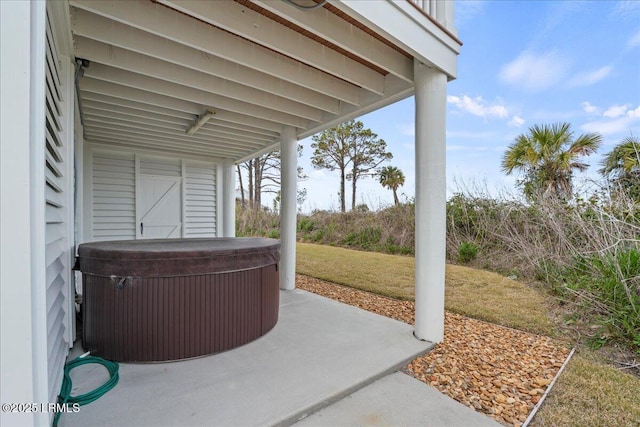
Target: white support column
183 197
219 199
430 99
228 199
288 211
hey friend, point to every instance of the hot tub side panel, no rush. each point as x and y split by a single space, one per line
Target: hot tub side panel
172 318
270 298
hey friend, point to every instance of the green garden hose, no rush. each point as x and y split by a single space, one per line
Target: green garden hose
65 396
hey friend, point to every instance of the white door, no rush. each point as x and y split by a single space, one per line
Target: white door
159 207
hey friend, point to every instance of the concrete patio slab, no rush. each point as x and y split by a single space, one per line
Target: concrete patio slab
397 400
319 352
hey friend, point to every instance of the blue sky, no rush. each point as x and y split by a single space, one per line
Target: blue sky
522 63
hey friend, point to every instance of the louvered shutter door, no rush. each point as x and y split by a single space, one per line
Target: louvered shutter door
58 185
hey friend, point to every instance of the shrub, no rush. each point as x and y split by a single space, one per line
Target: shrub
306 225
390 247
406 250
366 238
467 251
609 286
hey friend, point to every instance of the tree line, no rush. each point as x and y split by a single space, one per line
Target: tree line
349 148
355 152
262 176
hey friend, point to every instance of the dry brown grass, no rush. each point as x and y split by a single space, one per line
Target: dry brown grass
474 293
382 274
589 394
488 296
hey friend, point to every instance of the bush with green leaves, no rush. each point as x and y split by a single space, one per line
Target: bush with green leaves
467 251
366 238
608 285
305 224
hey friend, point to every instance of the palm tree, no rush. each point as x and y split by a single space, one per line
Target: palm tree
391 177
623 159
548 155
622 166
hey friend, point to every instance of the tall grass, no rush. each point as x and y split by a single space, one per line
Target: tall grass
256 222
389 230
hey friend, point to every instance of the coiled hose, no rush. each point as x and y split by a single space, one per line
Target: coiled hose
65 396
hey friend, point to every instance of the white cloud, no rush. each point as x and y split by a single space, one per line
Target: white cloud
635 114
516 121
534 72
478 107
618 119
615 111
588 108
591 77
634 40
609 127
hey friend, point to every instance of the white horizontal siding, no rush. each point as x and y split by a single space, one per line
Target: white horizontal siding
200 200
114 196
114 193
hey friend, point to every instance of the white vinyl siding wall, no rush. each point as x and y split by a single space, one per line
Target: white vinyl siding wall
114 178
114 196
200 200
161 167
58 210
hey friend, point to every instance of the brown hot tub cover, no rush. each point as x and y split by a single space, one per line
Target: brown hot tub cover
170 299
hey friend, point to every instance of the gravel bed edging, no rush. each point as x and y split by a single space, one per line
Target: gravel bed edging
499 371
548 390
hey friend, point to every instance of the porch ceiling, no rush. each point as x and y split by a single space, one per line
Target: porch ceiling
156 65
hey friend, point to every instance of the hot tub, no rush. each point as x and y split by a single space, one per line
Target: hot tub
171 299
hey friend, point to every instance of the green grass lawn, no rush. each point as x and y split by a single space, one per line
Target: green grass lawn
587 394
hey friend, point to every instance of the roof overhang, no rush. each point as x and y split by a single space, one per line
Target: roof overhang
156 66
